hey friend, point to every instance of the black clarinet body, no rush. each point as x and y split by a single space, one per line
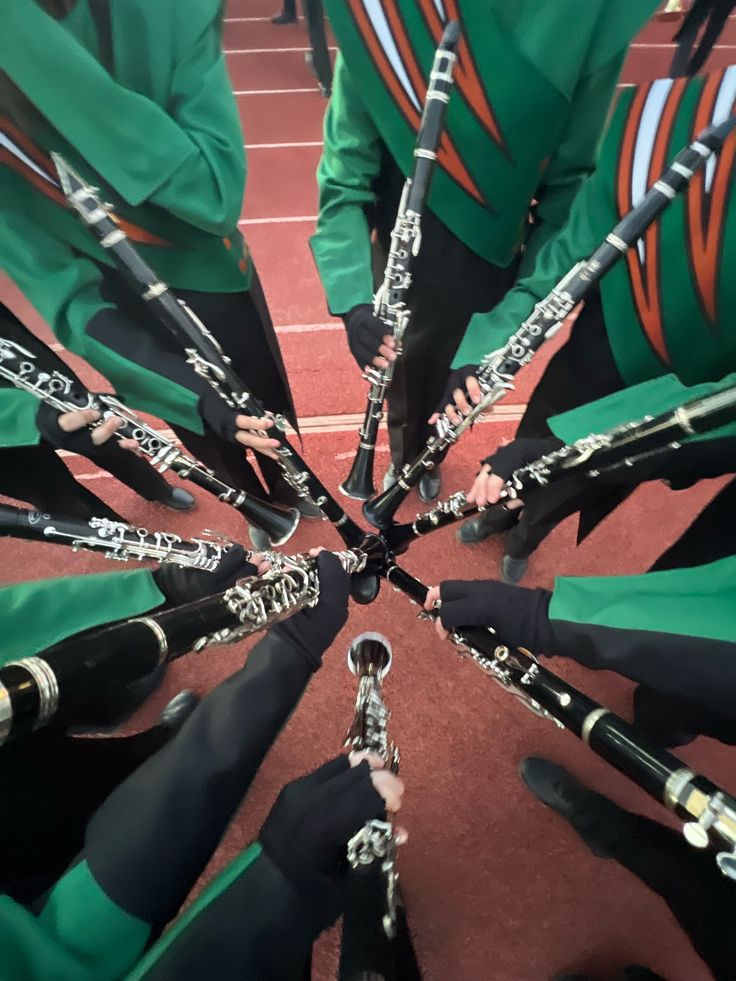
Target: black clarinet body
202 349
19 367
630 443
114 539
498 369
591 456
708 812
390 304
53 684
50 685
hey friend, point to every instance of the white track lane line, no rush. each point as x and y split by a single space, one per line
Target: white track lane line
282 146
249 92
278 221
258 51
671 44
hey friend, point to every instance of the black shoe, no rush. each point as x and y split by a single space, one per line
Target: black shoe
429 485
513 570
178 710
554 786
179 500
284 18
490 522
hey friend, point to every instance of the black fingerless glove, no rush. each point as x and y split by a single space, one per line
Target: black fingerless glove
218 415
313 819
180 585
519 616
365 333
47 423
457 380
518 453
312 630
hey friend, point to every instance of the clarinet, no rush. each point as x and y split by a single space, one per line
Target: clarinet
20 368
114 539
390 303
370 918
629 443
34 690
201 348
709 813
600 453
497 370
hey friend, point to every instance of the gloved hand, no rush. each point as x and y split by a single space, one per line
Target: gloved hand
70 430
369 339
313 629
520 616
462 392
236 427
506 459
180 585
314 817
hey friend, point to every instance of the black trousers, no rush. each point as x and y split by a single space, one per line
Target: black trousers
314 15
440 312
36 475
701 898
52 784
241 324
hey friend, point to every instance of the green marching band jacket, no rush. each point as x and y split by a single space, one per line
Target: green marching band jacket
18 418
533 86
148 843
673 630
178 196
670 306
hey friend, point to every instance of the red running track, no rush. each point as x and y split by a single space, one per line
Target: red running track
497 888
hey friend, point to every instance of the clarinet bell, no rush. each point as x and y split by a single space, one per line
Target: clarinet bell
370 654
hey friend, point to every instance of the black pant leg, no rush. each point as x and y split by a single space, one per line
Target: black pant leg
51 780
675 721
710 537
315 17
581 371
702 900
440 312
36 475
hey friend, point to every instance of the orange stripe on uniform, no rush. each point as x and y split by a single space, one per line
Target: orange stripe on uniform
447 156
706 218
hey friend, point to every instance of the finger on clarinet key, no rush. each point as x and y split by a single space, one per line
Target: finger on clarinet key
107 429
473 389
390 787
433 594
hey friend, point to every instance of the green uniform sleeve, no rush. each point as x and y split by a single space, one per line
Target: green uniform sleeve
37 614
632 404
350 162
673 630
18 418
65 289
575 241
60 944
188 158
574 159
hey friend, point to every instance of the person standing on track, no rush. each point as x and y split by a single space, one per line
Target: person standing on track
137 98
667 310
30 433
532 90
